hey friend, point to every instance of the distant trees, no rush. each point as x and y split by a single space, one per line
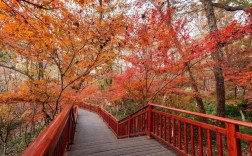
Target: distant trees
116 52
160 48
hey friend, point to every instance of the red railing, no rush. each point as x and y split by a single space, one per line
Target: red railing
57 136
182 130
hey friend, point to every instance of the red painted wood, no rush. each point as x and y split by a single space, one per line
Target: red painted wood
226 120
156 123
209 143
163 126
234 145
192 140
219 144
200 141
165 129
169 129
179 135
150 121
185 138
54 139
129 126
174 132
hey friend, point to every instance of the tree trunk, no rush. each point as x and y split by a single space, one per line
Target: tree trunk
4 148
235 91
242 114
198 99
40 71
216 56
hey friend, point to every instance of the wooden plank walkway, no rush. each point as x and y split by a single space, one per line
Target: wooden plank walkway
94 138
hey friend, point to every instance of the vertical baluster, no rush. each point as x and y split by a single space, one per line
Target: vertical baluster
174 131
250 145
129 127
109 122
147 121
200 141
161 128
157 123
140 123
185 138
153 123
117 129
209 143
169 129
165 128
133 125
192 140
179 134
219 144
137 124
143 122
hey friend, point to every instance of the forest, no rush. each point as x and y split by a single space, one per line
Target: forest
121 54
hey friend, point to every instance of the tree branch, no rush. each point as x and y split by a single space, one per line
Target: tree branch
40 6
15 69
229 8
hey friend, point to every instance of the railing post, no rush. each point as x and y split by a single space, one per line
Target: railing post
117 129
149 121
109 120
129 126
233 144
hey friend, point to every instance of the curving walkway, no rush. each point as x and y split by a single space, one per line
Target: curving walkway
94 138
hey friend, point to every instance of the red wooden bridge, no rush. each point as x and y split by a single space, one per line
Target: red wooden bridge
172 132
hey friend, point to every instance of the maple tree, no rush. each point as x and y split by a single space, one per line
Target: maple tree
114 52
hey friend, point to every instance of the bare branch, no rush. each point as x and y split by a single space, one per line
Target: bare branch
40 6
17 70
229 8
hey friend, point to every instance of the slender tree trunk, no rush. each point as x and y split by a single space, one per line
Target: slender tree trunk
198 99
235 91
4 148
216 56
40 71
242 114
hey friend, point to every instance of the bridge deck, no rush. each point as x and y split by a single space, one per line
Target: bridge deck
93 137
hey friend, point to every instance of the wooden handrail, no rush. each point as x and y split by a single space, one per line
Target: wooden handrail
56 137
138 110
174 130
226 120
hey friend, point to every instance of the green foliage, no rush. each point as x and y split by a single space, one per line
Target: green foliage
210 107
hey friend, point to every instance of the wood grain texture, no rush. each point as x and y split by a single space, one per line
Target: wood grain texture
93 137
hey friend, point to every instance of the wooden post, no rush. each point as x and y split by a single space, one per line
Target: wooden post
149 121
129 126
117 129
233 144
109 120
